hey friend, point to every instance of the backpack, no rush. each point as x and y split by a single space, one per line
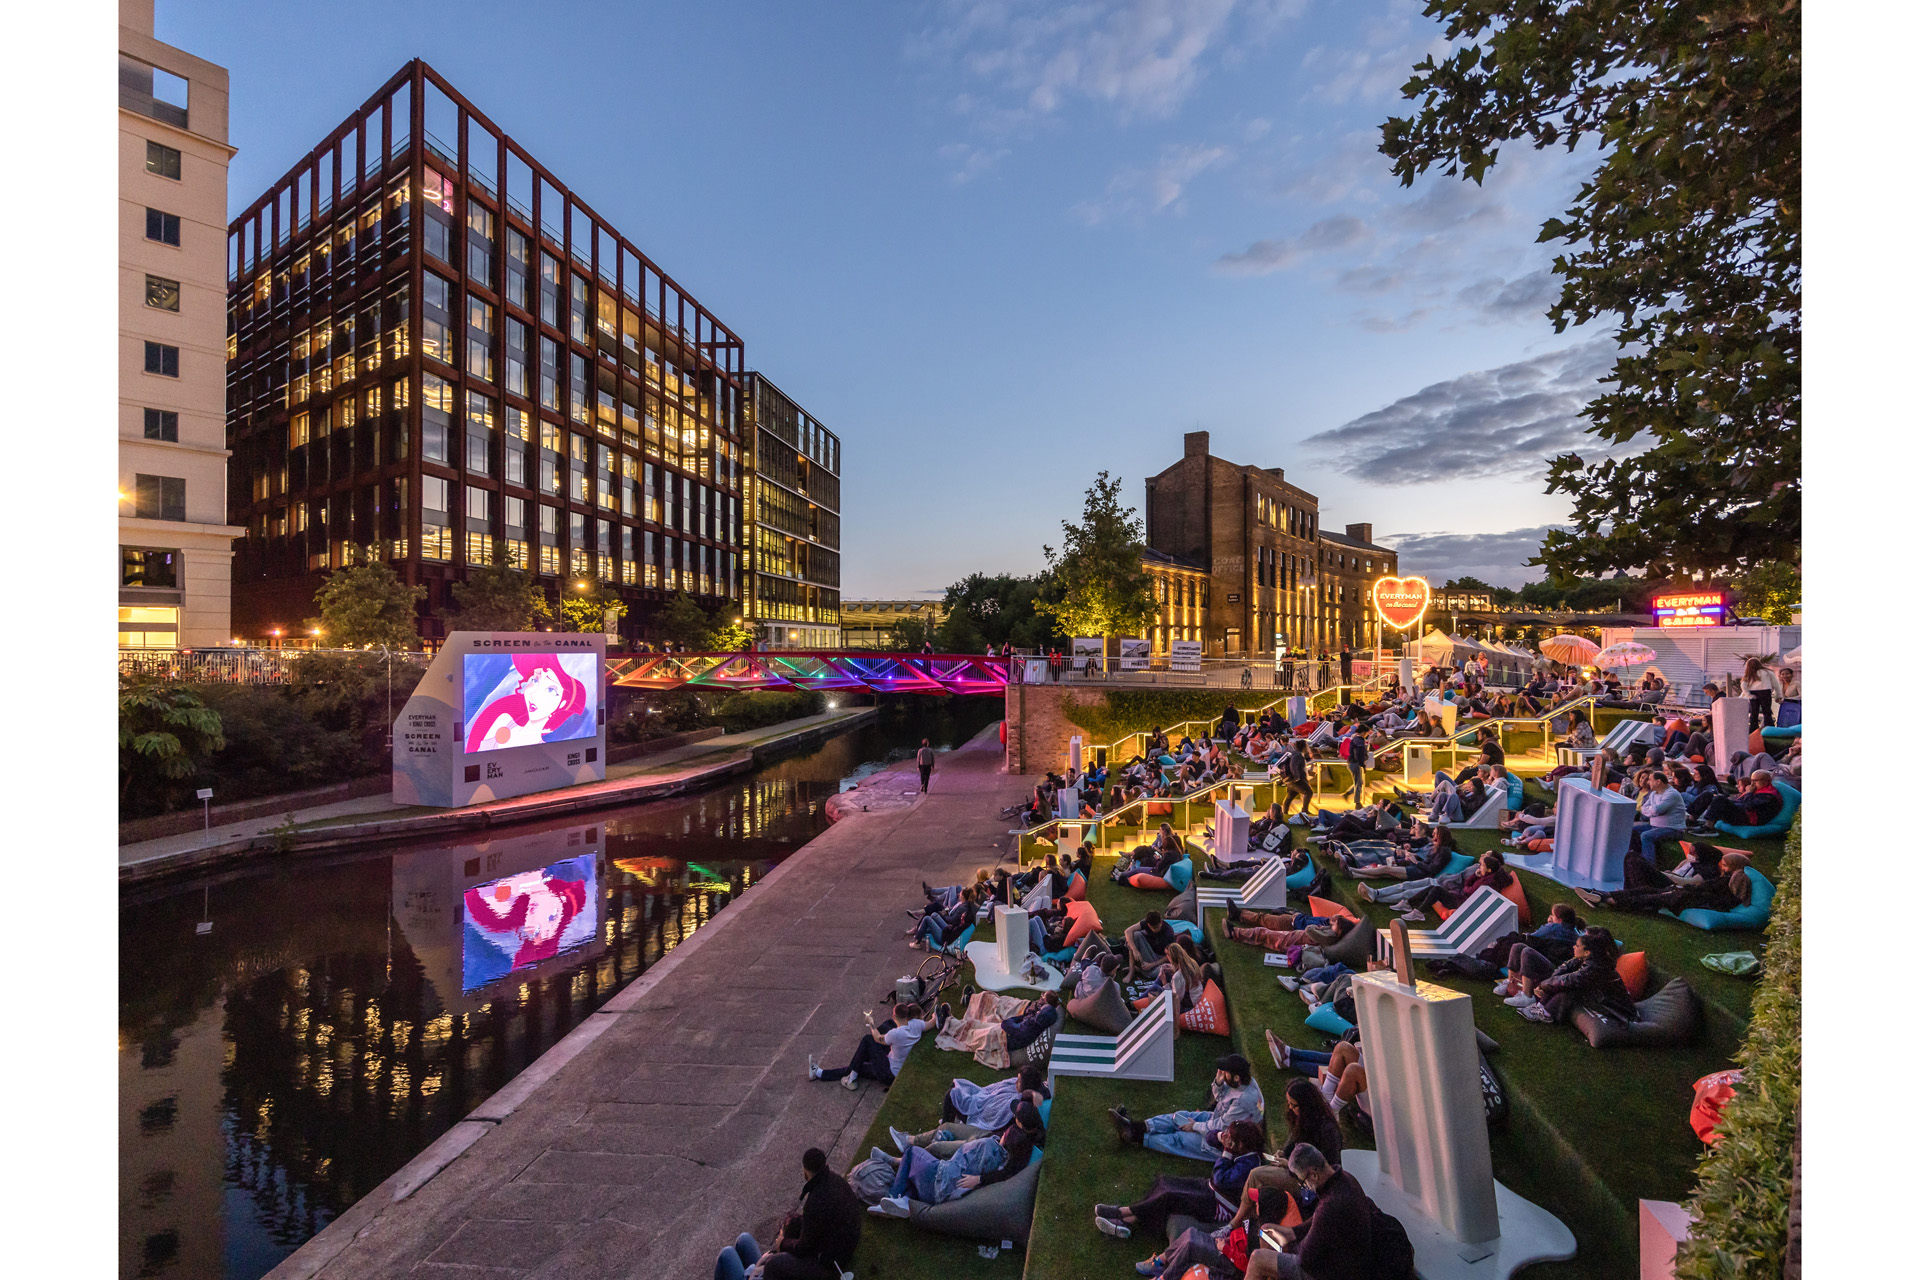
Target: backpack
1392 1250
871 1179
1279 840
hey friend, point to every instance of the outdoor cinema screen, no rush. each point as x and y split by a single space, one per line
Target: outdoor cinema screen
521 699
517 921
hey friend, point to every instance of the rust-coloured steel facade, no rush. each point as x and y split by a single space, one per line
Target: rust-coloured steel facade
435 347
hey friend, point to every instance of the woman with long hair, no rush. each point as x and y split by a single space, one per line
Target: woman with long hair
1762 687
1591 977
544 698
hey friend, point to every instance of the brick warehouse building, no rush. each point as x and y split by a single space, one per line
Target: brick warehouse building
435 346
1270 570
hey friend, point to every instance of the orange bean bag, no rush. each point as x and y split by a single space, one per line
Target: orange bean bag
1633 972
1159 808
1512 893
1147 880
1209 1013
1085 920
1077 888
1698 759
1710 1097
1543 845
1331 910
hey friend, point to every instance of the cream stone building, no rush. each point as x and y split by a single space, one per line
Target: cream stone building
176 549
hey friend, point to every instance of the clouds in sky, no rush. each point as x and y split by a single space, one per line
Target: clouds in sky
1265 256
1155 188
1496 558
1494 422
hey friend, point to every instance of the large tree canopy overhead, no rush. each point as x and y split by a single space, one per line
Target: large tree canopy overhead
1688 235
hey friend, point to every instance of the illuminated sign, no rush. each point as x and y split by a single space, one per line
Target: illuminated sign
1690 609
1401 602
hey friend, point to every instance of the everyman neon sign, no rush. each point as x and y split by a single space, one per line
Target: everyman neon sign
1690 609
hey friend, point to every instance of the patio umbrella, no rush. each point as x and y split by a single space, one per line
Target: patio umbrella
1791 658
1625 654
1575 651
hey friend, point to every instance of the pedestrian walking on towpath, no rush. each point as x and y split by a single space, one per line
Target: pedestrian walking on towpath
924 757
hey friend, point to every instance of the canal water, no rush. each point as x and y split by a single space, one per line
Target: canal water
291 1037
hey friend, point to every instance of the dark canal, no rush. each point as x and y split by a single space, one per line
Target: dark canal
291 1037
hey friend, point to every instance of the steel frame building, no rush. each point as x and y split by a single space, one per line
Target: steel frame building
436 348
791 523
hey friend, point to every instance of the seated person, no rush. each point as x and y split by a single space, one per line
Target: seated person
1420 862
1092 968
1535 954
1754 804
947 897
881 1053
815 1244
1447 890
1721 886
980 1162
1339 1230
1283 930
970 1110
1591 977
1340 1074
1180 973
1442 804
1156 858
941 929
1147 942
1372 822
997 1024
1242 1148
1235 1095
1662 813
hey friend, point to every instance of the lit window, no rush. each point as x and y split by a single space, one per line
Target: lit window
479 338
163 227
164 161
163 294
149 627
163 359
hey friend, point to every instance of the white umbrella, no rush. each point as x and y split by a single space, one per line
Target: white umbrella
1625 654
1573 650
1791 658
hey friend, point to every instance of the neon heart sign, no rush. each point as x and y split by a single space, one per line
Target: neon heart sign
1401 602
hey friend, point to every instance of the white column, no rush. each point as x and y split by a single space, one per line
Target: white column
1730 719
1591 831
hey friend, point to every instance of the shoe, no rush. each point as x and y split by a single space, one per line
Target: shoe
940 1015
1587 896
850 1082
926 888
1365 892
1536 1012
1412 915
1503 988
1290 983
892 1207
1522 1000
967 993
1281 1056
1233 913
902 1142
1122 1124
1111 1225
1151 1267
813 1068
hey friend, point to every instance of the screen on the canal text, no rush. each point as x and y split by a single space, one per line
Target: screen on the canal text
523 699
517 921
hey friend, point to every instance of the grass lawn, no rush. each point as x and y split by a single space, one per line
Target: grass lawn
1591 1132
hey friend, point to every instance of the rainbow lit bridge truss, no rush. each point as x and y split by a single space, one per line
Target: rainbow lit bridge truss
813 669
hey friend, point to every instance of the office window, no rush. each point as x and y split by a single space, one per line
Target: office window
436 532
549 291
159 497
515 515
140 567
480 420
479 338
479 526
163 424
163 227
517 348
549 540
479 243
164 161
518 432
436 317
436 416
163 294
163 359
517 264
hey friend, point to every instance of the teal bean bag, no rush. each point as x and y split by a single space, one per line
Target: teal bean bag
1180 874
1779 732
1327 1022
1060 959
1459 862
1752 916
1301 880
959 944
1789 806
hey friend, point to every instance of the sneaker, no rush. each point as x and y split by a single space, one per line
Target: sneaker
940 1015
813 1068
1412 915
1151 1267
1281 1055
1587 896
1111 1225
850 1082
1503 988
1125 1125
1536 1012
1521 1000
1233 913
902 1142
1289 982
1365 892
967 993
892 1207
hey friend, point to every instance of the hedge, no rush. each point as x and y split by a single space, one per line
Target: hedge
1740 1209
757 709
1126 711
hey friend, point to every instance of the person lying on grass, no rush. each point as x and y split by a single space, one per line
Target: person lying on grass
1373 822
947 897
1538 953
1234 1095
979 1162
1242 1148
1413 897
1215 869
941 929
970 1110
1442 804
1339 1076
995 1027
881 1053
1591 977
1283 930
1720 884
1155 859
1384 861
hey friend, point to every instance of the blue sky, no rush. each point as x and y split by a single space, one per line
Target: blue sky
998 246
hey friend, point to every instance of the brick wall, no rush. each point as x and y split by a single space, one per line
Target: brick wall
1038 729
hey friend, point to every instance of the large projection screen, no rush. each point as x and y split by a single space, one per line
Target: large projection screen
503 714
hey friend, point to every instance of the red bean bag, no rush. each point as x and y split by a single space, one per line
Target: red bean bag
1633 972
1077 888
1209 1013
1147 880
1085 920
1543 845
1710 1097
1331 910
1512 893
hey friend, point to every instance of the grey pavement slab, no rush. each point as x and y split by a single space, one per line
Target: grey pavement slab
674 1118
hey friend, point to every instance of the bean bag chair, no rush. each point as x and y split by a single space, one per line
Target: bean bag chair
1302 880
1711 1094
1542 845
1752 916
1178 877
1513 893
1353 951
1459 862
958 946
1105 1010
1331 910
1077 887
1779 733
1778 827
1037 1053
1159 808
1632 968
1003 1211
1186 929
1209 1013
1085 921
1184 906
1327 1022
1670 1016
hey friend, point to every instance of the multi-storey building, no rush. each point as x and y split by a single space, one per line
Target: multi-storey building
1254 533
176 547
438 350
1350 563
869 624
791 521
1180 599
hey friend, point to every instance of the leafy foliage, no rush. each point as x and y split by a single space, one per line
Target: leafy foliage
498 597
1769 591
167 733
683 621
1740 1209
584 605
367 604
910 633
1103 588
1125 711
999 610
1688 235
757 708
728 636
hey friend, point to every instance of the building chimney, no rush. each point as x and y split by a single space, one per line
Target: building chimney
1361 533
1198 444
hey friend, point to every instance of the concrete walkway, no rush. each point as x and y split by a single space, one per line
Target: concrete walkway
370 820
674 1118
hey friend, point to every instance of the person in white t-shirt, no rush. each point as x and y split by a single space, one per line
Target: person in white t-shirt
1763 688
881 1053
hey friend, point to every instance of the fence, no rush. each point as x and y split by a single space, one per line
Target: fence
236 666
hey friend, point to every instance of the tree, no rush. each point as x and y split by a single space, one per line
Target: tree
998 609
1769 591
1688 234
911 633
586 602
166 735
683 621
367 604
498 597
729 634
1103 588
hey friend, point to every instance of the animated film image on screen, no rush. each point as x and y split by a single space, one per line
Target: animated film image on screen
522 699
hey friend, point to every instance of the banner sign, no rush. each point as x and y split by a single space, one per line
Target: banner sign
1134 655
1184 655
1085 647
